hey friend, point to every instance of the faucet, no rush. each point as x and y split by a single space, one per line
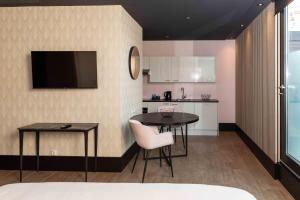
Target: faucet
182 96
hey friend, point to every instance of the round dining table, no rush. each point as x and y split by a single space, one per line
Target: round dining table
168 120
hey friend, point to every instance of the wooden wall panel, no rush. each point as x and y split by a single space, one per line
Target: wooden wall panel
256 81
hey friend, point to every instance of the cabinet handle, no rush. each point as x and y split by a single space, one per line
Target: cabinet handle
167 80
176 80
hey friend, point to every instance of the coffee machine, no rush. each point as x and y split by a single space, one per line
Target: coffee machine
168 95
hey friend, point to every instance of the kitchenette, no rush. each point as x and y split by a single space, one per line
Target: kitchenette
196 77
188 72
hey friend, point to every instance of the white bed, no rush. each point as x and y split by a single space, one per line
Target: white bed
119 191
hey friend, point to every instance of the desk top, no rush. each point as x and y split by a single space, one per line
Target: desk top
159 119
56 127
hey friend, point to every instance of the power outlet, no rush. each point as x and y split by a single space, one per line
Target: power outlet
53 152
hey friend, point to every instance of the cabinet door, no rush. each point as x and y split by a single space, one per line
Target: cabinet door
154 67
178 106
175 69
208 116
186 69
205 69
152 106
165 69
189 108
160 69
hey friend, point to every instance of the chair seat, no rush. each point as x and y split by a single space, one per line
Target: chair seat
163 139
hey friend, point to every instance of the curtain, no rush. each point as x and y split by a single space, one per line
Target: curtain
281 4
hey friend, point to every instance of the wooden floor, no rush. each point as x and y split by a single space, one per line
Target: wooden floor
223 160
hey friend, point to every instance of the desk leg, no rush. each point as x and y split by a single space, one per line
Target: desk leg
96 147
86 153
37 148
186 140
21 153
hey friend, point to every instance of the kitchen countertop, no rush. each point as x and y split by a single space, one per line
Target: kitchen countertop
184 100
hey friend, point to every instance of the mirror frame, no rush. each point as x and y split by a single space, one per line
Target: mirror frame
132 49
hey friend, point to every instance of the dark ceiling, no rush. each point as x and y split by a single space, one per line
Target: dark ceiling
176 19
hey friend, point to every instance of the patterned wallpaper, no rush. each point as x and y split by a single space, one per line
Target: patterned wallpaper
94 28
131 99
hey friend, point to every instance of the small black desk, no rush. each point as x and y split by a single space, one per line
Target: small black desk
56 127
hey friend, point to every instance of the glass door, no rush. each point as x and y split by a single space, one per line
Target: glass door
290 88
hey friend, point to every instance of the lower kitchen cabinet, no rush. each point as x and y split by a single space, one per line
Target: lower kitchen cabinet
207 112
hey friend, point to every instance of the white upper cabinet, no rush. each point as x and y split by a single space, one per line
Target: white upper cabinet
160 69
175 69
205 70
187 69
181 69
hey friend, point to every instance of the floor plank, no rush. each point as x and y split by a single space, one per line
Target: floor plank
223 160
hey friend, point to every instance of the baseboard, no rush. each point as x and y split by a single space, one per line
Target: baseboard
289 180
227 127
265 160
69 163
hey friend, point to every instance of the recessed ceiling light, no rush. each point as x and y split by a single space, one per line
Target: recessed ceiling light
188 17
242 25
260 4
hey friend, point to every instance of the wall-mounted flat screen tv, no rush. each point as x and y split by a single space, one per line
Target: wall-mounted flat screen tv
64 69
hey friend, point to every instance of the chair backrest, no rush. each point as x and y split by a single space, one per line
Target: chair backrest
144 135
166 109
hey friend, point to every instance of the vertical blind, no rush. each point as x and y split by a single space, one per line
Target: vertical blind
281 4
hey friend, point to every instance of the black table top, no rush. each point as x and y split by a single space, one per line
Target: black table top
56 127
159 119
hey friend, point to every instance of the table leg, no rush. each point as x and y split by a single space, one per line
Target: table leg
21 153
186 139
37 148
86 153
96 147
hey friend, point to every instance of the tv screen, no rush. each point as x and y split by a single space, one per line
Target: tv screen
64 69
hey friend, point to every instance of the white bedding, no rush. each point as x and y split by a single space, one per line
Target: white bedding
119 191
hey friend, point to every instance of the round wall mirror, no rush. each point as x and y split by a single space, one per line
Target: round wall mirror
134 63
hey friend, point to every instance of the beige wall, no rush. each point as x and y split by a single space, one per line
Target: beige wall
256 82
110 31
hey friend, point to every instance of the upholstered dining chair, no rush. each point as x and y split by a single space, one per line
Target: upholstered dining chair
149 138
172 109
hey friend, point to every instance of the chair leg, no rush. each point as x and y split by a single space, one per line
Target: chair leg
146 162
170 159
161 129
182 136
175 134
160 156
136 157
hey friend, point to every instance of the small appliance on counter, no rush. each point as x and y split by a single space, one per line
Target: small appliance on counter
155 97
168 95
